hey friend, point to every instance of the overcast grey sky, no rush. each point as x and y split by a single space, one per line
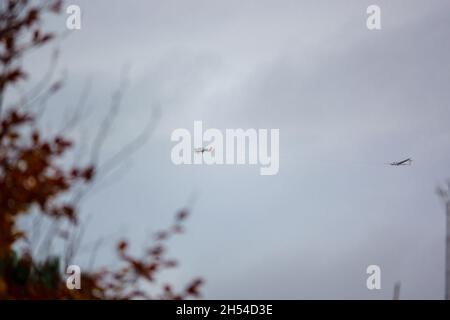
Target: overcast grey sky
346 100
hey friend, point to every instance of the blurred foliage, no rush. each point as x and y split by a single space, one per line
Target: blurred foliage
32 178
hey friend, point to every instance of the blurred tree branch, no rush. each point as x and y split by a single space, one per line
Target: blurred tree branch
35 180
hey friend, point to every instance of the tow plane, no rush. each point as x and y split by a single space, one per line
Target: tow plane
203 150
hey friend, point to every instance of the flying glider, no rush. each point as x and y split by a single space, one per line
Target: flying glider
406 162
